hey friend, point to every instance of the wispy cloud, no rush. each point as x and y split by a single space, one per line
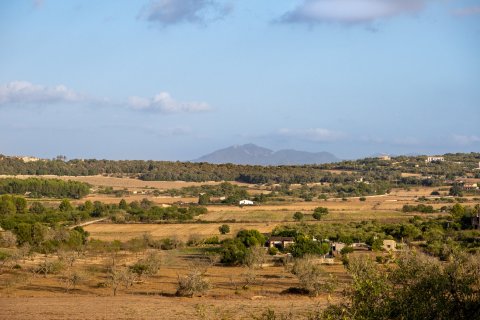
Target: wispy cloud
26 93
469 11
170 12
349 11
312 134
165 103
23 92
465 140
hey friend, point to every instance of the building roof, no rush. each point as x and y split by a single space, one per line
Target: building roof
281 238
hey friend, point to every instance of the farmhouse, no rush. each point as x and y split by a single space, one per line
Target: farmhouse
384 157
245 202
470 186
280 242
434 159
389 245
337 247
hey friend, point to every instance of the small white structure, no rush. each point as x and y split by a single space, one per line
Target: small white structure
434 159
384 157
389 245
245 202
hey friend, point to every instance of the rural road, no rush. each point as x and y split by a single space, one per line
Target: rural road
87 223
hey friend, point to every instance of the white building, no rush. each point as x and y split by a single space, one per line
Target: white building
245 202
434 159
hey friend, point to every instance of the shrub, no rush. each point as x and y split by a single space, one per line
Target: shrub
192 284
148 266
346 250
312 277
319 212
298 216
224 229
272 251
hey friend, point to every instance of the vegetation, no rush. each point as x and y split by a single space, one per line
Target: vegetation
36 188
224 229
381 175
421 287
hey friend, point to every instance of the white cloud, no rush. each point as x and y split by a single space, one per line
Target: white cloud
312 134
26 93
165 103
469 11
350 11
23 92
465 140
169 12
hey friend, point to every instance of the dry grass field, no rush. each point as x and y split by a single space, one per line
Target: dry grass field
182 232
148 307
230 296
23 295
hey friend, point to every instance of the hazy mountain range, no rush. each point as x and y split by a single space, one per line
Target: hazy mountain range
256 155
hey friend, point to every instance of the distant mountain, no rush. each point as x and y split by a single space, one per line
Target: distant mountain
255 155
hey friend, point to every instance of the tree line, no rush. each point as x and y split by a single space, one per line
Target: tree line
36 188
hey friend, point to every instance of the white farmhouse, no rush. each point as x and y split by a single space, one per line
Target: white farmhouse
434 159
245 202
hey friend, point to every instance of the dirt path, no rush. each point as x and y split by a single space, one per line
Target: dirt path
88 223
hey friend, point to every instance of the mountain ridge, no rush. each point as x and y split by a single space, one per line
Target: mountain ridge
251 154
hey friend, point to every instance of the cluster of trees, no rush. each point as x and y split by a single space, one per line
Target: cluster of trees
418 208
371 169
36 188
237 250
32 223
437 236
145 211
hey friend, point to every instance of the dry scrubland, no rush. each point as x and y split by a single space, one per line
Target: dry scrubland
153 298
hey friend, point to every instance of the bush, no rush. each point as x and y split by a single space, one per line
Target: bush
233 252
224 229
346 250
272 251
298 216
306 246
170 244
421 287
211 240
192 284
148 266
362 199
319 212
312 277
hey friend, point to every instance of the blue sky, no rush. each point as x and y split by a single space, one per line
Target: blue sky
175 79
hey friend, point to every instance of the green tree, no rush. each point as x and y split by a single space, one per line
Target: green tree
7 205
20 204
37 207
123 204
251 238
224 229
203 199
305 245
65 206
298 216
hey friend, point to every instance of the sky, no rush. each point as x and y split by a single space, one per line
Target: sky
176 79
